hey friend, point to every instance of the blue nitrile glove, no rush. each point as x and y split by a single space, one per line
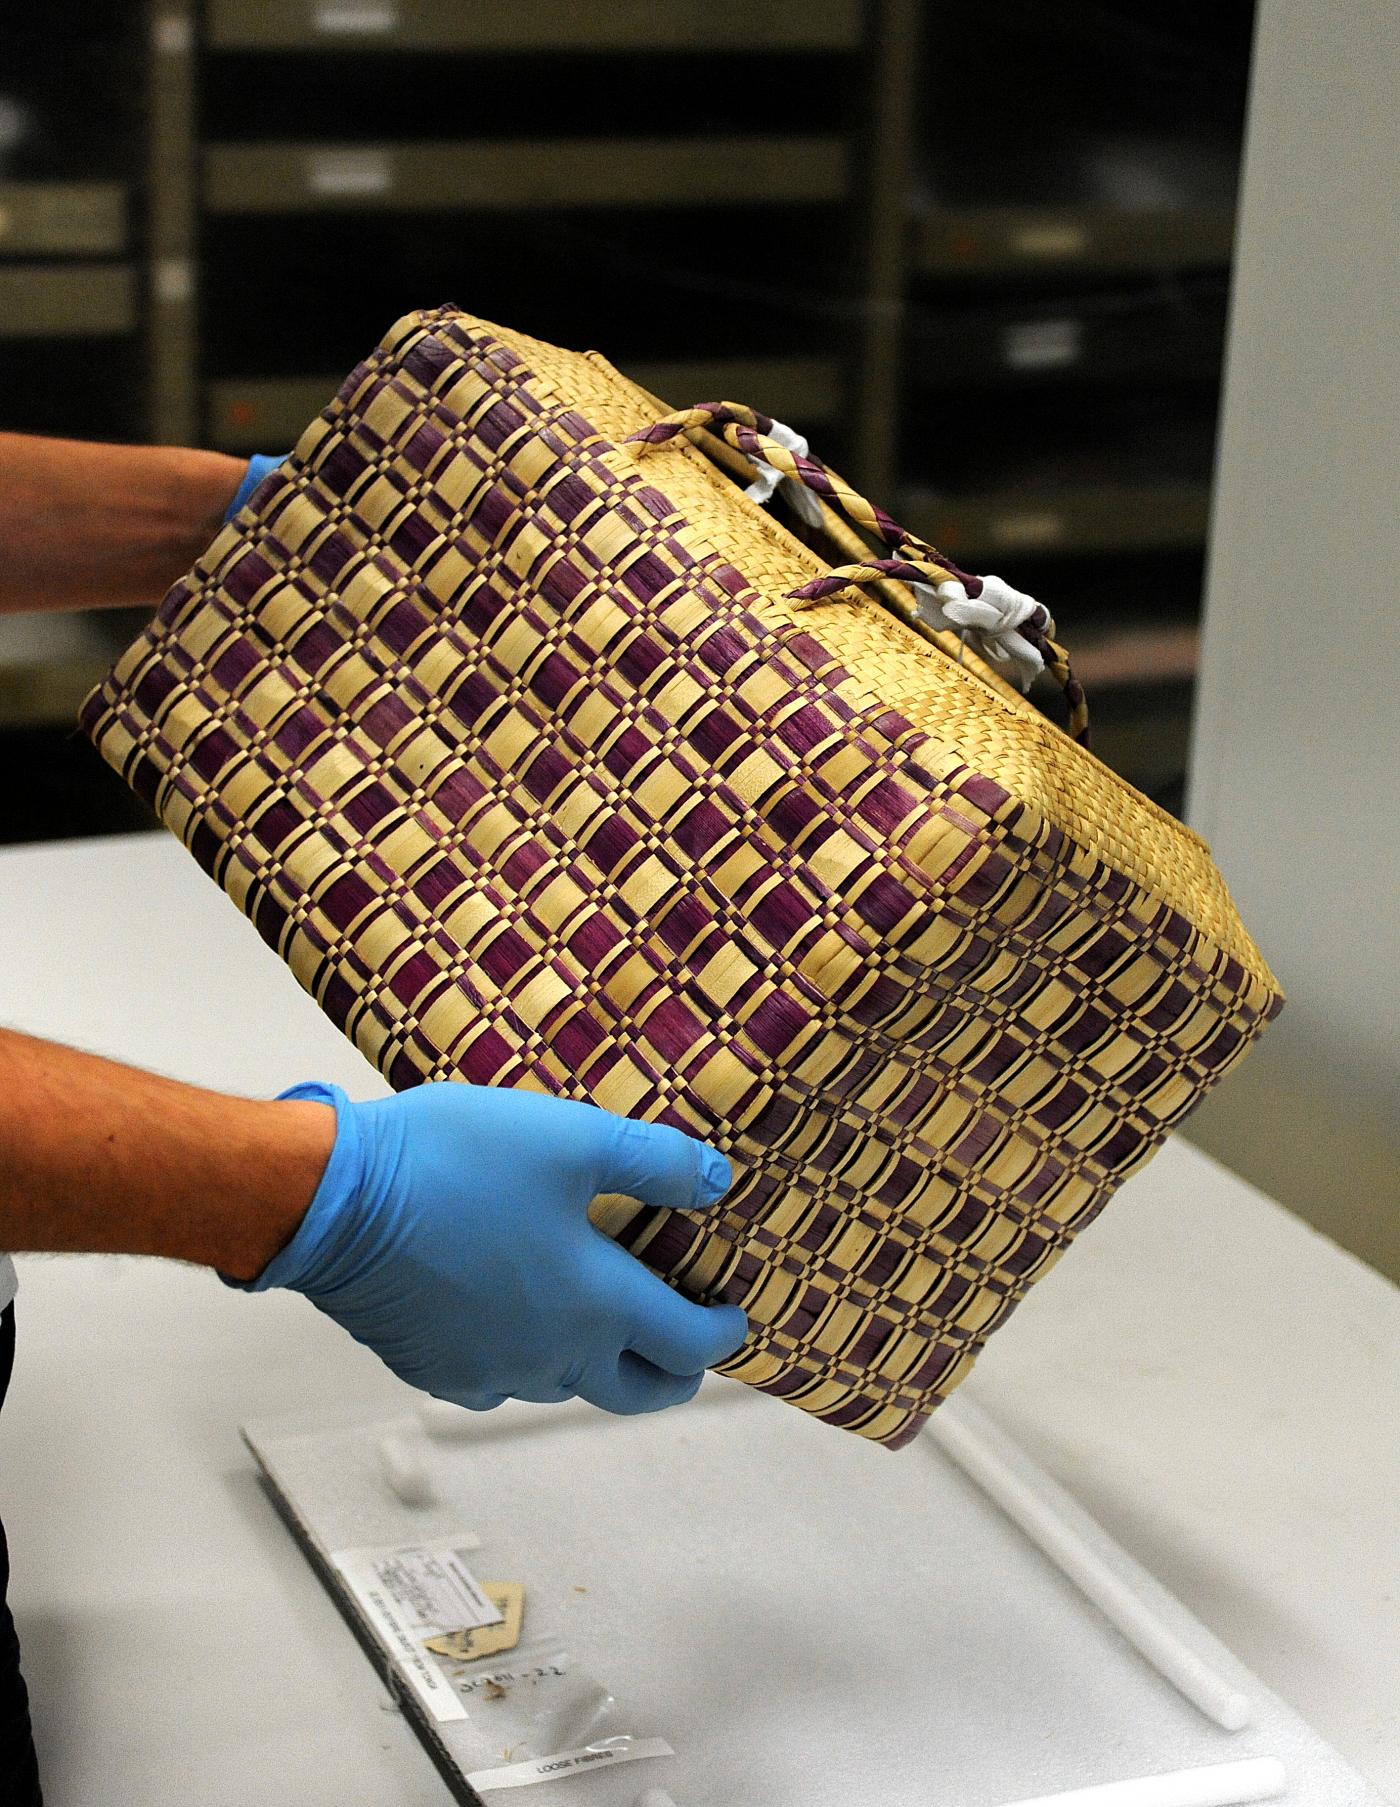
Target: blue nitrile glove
450 1234
258 467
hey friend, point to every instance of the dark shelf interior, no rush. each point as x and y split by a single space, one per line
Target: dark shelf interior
642 284
72 80
72 388
58 787
379 97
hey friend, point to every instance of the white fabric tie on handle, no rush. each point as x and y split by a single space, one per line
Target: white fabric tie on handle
989 623
804 504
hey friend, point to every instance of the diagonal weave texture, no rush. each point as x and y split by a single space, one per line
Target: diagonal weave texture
510 742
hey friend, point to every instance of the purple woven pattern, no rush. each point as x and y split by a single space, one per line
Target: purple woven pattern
532 787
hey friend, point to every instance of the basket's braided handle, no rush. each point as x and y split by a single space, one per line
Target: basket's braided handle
750 432
1011 630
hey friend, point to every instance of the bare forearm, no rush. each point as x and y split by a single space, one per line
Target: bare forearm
105 1158
104 526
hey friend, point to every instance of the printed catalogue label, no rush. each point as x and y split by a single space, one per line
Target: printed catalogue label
413 1592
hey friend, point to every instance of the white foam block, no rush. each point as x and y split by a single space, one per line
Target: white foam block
402 1463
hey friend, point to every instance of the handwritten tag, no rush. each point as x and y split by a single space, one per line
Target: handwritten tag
508 1597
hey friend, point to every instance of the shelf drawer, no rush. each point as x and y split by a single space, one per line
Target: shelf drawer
50 693
264 414
53 219
525 25
500 176
57 301
966 241
1133 330
47 660
1089 518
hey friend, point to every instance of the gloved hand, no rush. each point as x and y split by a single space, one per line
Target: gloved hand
450 1234
258 467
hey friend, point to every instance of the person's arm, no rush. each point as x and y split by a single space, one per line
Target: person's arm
447 1228
104 526
106 1159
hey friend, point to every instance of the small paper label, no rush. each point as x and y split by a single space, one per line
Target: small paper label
569 1763
1051 240
349 172
415 1592
466 1646
356 18
174 280
1042 344
172 35
1040 529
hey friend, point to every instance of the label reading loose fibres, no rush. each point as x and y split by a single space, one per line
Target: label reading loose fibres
569 1763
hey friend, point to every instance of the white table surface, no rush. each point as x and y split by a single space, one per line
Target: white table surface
1219 1385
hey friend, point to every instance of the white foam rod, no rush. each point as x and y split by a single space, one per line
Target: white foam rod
1047 1516
1218 1785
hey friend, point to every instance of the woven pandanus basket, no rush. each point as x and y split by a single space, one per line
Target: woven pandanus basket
507 730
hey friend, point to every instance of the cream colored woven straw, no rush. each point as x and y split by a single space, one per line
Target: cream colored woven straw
513 740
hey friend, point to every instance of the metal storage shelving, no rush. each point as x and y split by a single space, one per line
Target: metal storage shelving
70 314
1094 517
553 25
1018 241
203 182
62 219
916 273
52 285
1075 254
517 175
64 300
